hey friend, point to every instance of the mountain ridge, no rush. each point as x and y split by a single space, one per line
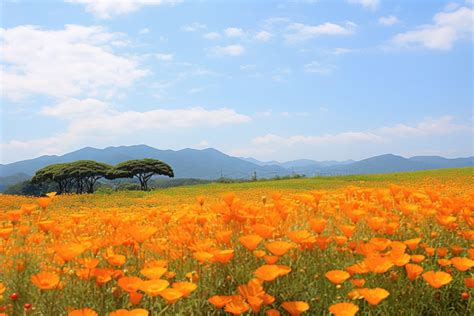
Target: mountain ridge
210 163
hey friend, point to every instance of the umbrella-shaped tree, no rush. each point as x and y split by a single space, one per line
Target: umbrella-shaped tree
142 169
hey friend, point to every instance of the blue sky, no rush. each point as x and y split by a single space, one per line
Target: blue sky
274 80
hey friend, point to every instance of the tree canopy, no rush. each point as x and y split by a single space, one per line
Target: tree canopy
81 176
142 169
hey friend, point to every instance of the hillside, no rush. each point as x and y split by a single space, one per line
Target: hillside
212 164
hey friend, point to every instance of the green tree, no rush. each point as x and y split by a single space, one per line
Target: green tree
53 173
81 175
85 173
142 169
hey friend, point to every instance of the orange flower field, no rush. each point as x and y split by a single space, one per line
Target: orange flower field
358 248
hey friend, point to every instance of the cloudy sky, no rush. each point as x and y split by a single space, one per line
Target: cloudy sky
275 80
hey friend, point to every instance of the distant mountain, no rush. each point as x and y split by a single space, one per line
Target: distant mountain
260 163
211 164
441 162
7 181
300 163
392 163
187 163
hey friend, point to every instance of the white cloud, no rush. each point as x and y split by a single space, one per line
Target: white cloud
105 9
202 144
263 36
447 28
270 23
368 4
76 60
301 32
229 50
193 27
429 126
388 20
341 138
318 68
164 57
452 6
144 31
233 32
341 51
212 36
74 109
349 143
106 124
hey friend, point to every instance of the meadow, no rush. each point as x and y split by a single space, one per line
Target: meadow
391 244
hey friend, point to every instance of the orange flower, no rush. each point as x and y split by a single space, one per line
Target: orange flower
5 233
219 301
203 256
237 305
185 288
252 289
223 256
154 272
347 230
444 262
14 216
51 194
45 280
228 198
469 282
43 202
358 282
377 264
133 312
135 298
264 231
295 308
130 284
437 279
412 243
279 248
171 295
337 276
140 234
117 260
82 312
300 236
67 252
153 287
318 224
200 199
462 264
413 271
2 288
271 272
271 259
47 225
250 241
374 296
102 276
273 312
344 309
417 258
